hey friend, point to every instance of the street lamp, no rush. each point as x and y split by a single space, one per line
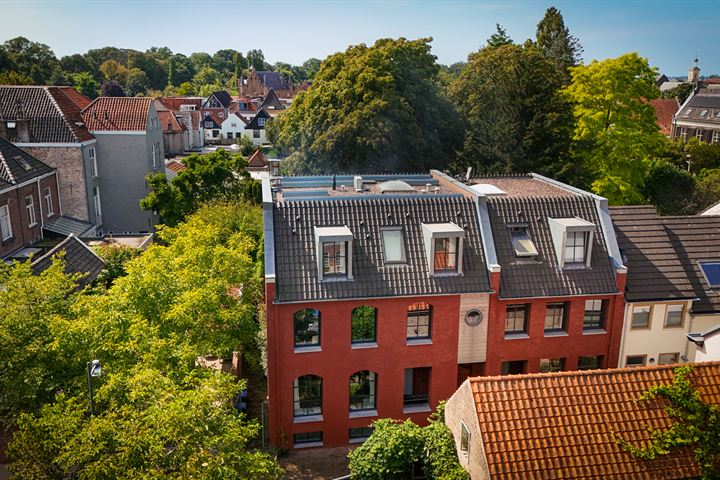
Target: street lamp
94 369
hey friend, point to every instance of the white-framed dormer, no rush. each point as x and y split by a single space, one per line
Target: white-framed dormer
572 241
444 244
333 248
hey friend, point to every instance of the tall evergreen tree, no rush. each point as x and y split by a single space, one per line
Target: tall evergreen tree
554 40
499 38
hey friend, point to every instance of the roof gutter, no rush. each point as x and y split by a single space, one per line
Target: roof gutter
268 230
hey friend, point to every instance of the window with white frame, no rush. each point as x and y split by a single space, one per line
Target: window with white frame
445 254
30 210
572 241
47 193
334 258
521 241
261 121
96 204
334 250
594 315
93 162
683 133
5 224
393 245
464 439
575 247
716 136
635 360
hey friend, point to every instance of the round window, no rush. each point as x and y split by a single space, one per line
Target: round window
473 317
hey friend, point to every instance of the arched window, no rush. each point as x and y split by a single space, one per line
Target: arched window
307 328
419 321
363 390
364 324
307 396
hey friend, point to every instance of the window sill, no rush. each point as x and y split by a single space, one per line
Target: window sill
307 445
594 331
425 407
308 419
31 225
420 341
307 349
363 414
556 334
516 336
361 346
673 327
358 440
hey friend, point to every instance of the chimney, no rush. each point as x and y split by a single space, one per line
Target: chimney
22 126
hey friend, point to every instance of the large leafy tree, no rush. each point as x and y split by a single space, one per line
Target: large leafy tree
372 109
554 40
616 132
516 119
213 176
33 59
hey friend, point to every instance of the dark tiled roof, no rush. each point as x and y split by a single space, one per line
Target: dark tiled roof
66 225
654 269
53 112
563 425
707 102
253 124
117 114
78 259
223 97
296 262
273 80
271 100
543 277
13 162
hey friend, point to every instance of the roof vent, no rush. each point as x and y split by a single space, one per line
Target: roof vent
358 183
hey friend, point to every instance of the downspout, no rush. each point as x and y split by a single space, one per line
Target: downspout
22 230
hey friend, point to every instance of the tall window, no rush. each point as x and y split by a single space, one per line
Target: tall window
575 247
416 389
30 210
154 155
716 136
363 388
555 317
261 121
93 162
464 439
590 363
393 245
419 321
594 315
674 316
307 396
256 133
5 224
516 319
48 202
306 324
641 316
334 258
364 324
446 254
97 205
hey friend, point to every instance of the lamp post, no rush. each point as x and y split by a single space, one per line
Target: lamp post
94 369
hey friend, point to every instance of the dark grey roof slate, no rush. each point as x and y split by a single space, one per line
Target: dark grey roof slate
223 97
296 262
273 80
543 277
253 123
78 259
271 101
12 159
66 226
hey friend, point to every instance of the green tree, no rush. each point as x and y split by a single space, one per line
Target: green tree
670 189
199 60
86 84
206 76
516 119
136 83
555 42
32 59
75 63
616 132
115 258
708 189
372 109
14 78
695 425
256 59
499 38
213 176
114 71
110 88
681 92
310 67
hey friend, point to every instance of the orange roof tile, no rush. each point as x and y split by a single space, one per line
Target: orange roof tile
560 425
117 113
80 100
257 160
174 103
665 108
169 123
175 166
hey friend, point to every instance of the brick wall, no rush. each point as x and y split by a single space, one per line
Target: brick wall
460 408
23 234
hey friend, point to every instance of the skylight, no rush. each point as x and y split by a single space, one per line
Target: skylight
688 112
393 245
703 113
395 186
521 242
23 163
711 271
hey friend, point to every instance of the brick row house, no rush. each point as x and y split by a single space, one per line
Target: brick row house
383 293
28 200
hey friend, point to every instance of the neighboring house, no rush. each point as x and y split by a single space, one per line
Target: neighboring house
370 284
257 163
232 128
173 168
130 146
557 274
566 424
220 100
187 111
665 109
271 102
176 136
259 83
212 126
699 116
47 123
28 199
708 345
671 283
79 259
255 128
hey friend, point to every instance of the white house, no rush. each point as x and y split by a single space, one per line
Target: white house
232 128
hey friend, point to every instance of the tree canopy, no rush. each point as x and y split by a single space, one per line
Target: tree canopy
371 109
555 42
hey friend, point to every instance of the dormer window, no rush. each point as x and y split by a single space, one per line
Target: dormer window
261 121
521 242
572 239
11 124
443 247
334 250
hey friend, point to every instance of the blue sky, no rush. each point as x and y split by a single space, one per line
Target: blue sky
669 33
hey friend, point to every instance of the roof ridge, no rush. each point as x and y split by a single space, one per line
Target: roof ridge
5 171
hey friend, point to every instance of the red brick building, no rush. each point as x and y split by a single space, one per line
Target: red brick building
28 198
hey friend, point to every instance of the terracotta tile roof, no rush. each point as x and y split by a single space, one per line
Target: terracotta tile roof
54 116
174 103
257 160
560 425
169 123
214 117
117 114
80 100
665 108
175 166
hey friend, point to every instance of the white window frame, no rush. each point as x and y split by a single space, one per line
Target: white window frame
398 230
30 211
715 136
154 155
5 223
47 194
98 206
465 438
93 162
572 245
261 121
